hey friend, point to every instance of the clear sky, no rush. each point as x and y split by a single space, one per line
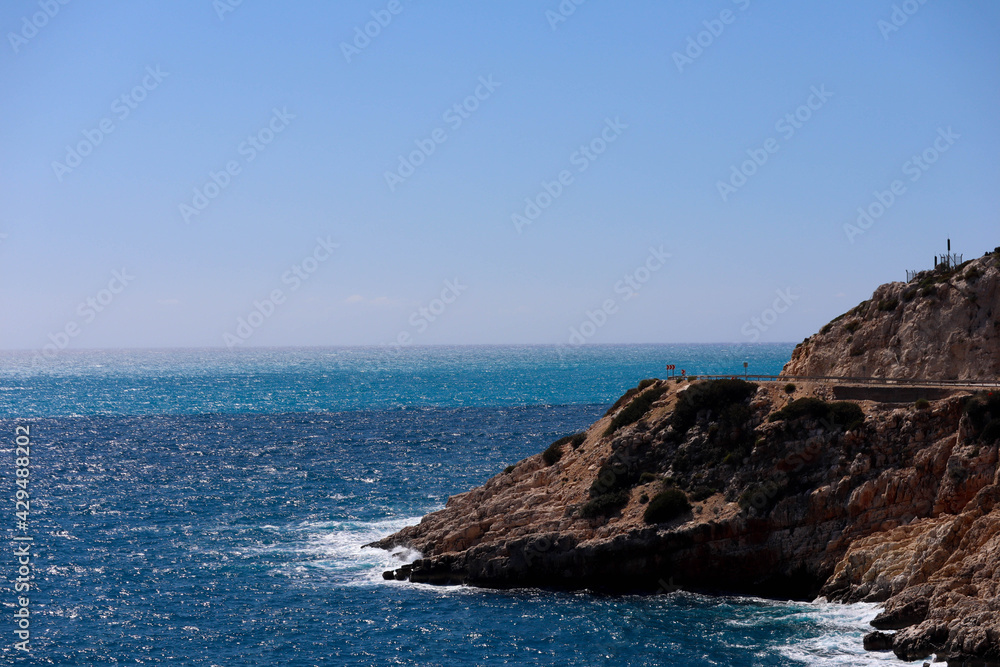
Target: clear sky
693 165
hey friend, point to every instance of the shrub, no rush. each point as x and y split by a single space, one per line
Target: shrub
637 409
826 328
554 451
646 478
809 406
700 493
628 395
853 325
909 293
762 496
849 415
888 305
716 395
983 411
789 388
973 274
508 470
842 413
922 404
666 506
607 503
643 499
613 475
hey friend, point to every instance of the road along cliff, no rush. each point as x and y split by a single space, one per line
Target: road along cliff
773 489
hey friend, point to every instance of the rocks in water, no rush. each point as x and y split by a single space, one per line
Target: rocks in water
878 641
868 501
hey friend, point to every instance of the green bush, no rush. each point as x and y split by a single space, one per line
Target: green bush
715 395
790 388
762 497
700 493
841 413
637 409
853 325
922 404
646 478
554 451
630 394
847 414
826 328
508 470
604 504
666 506
643 499
888 305
983 412
613 475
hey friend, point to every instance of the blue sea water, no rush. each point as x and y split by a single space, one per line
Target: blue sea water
204 507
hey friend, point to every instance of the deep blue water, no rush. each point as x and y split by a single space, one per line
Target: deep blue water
208 508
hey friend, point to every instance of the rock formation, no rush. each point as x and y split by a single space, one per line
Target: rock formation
944 324
774 490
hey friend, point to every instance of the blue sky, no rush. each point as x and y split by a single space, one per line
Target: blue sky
620 100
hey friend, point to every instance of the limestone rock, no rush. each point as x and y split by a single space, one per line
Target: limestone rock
902 509
942 325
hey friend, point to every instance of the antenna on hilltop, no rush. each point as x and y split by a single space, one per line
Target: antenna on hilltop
948 261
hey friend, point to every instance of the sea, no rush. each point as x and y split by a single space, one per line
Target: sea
210 507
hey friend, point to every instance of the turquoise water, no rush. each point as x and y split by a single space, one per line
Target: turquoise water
208 508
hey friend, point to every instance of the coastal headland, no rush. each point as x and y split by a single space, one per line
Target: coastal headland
867 471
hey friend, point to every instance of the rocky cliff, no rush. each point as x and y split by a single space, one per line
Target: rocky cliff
944 324
775 490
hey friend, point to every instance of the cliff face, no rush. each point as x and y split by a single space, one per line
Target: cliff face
782 504
772 490
942 325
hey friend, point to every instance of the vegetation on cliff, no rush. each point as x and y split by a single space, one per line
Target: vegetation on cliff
774 489
942 324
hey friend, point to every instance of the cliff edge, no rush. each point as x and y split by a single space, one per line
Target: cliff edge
943 325
771 489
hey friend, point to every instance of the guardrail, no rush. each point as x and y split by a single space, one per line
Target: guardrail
890 382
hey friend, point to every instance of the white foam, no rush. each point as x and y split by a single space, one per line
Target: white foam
838 639
337 547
